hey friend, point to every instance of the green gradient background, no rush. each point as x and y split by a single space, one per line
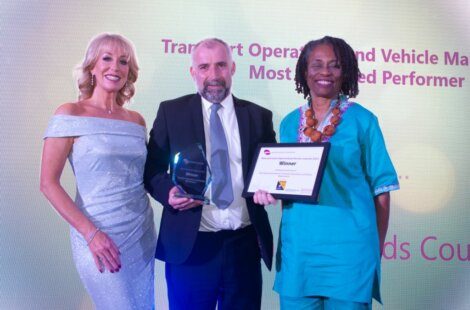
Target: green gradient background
425 128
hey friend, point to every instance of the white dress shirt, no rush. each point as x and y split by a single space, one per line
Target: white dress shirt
236 215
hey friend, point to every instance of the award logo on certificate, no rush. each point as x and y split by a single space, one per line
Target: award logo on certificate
291 171
191 173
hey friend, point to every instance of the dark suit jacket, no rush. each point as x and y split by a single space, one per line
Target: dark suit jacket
179 123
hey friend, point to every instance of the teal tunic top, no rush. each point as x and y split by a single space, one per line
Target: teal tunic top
331 248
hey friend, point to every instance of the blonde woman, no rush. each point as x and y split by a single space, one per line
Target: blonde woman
112 231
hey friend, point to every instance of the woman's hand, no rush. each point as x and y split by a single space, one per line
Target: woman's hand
105 252
264 198
55 152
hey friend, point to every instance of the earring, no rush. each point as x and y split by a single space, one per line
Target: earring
92 82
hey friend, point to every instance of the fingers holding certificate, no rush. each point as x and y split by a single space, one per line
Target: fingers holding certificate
290 171
264 198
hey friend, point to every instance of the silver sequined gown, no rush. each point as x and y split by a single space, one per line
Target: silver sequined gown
108 158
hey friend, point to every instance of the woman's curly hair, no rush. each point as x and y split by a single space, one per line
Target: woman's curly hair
348 61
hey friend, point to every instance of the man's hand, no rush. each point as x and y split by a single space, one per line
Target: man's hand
181 203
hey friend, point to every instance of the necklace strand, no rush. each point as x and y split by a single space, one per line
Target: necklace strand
311 123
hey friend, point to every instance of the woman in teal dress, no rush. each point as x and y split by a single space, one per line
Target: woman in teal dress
111 222
329 253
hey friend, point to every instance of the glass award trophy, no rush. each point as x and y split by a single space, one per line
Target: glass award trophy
191 173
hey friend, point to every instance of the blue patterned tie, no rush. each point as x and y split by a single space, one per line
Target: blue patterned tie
222 194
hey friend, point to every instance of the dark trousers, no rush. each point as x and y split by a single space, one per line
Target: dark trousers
224 268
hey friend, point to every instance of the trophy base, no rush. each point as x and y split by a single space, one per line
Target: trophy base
205 200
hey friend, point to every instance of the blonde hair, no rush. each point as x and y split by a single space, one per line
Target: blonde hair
93 51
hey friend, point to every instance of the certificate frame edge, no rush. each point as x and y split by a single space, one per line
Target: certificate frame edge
313 197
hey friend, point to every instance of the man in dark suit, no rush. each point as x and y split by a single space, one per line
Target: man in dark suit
212 252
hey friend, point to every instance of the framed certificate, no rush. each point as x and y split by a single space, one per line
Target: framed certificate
291 171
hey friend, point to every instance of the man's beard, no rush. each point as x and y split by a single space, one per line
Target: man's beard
215 95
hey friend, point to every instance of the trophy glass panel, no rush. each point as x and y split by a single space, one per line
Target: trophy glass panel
191 173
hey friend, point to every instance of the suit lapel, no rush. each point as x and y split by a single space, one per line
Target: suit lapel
243 119
195 108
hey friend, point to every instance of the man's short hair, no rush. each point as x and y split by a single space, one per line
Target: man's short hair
210 43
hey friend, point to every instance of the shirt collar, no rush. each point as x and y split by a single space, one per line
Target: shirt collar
227 103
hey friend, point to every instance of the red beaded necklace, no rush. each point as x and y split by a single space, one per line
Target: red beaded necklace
311 123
